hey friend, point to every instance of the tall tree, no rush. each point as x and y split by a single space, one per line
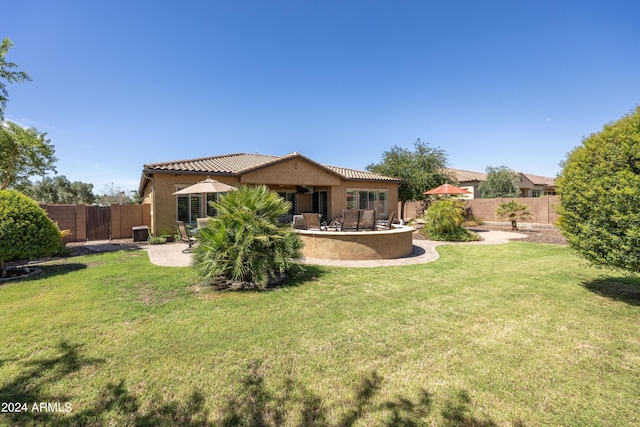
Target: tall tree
599 189
420 170
8 74
59 189
500 182
116 195
24 152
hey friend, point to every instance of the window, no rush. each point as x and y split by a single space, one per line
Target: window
368 199
192 206
292 198
351 199
211 197
383 205
319 203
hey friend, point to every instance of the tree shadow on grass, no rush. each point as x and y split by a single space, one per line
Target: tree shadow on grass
625 289
253 403
28 387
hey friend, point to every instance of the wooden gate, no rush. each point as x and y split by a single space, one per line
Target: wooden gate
98 222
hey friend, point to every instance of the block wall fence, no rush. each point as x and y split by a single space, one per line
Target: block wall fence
543 209
74 219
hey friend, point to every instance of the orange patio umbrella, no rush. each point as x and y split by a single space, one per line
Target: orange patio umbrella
447 189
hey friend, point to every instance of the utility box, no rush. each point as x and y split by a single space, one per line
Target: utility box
140 233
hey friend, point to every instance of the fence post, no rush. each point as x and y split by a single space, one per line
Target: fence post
81 223
116 212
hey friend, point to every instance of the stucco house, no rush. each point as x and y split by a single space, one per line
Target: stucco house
530 185
307 184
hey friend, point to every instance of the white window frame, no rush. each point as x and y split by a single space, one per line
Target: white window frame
191 221
381 206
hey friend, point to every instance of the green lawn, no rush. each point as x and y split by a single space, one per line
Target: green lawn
516 334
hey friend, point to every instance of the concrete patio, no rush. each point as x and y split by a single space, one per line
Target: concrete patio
172 255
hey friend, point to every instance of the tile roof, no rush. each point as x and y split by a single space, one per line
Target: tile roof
240 163
465 176
541 180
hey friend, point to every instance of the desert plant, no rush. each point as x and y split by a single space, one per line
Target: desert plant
444 222
25 229
445 216
244 242
513 211
458 234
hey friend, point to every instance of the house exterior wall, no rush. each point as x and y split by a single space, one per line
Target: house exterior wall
338 195
283 176
290 172
163 203
471 187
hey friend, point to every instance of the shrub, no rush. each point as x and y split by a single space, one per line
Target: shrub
244 243
25 229
444 216
157 240
599 189
444 222
458 234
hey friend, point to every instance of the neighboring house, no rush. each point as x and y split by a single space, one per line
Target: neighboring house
308 185
468 180
535 185
530 185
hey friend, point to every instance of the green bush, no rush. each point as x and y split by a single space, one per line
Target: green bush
444 220
157 240
25 229
599 189
458 234
445 216
244 243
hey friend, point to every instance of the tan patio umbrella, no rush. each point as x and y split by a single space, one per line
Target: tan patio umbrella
206 186
447 189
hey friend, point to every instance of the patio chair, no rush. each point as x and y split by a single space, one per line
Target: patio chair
367 220
298 222
184 236
386 225
335 224
350 220
312 221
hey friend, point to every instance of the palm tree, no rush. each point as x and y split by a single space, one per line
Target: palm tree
244 242
513 211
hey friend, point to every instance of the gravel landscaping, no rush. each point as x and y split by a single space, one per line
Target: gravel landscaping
537 234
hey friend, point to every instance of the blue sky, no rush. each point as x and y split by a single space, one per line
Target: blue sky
117 84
